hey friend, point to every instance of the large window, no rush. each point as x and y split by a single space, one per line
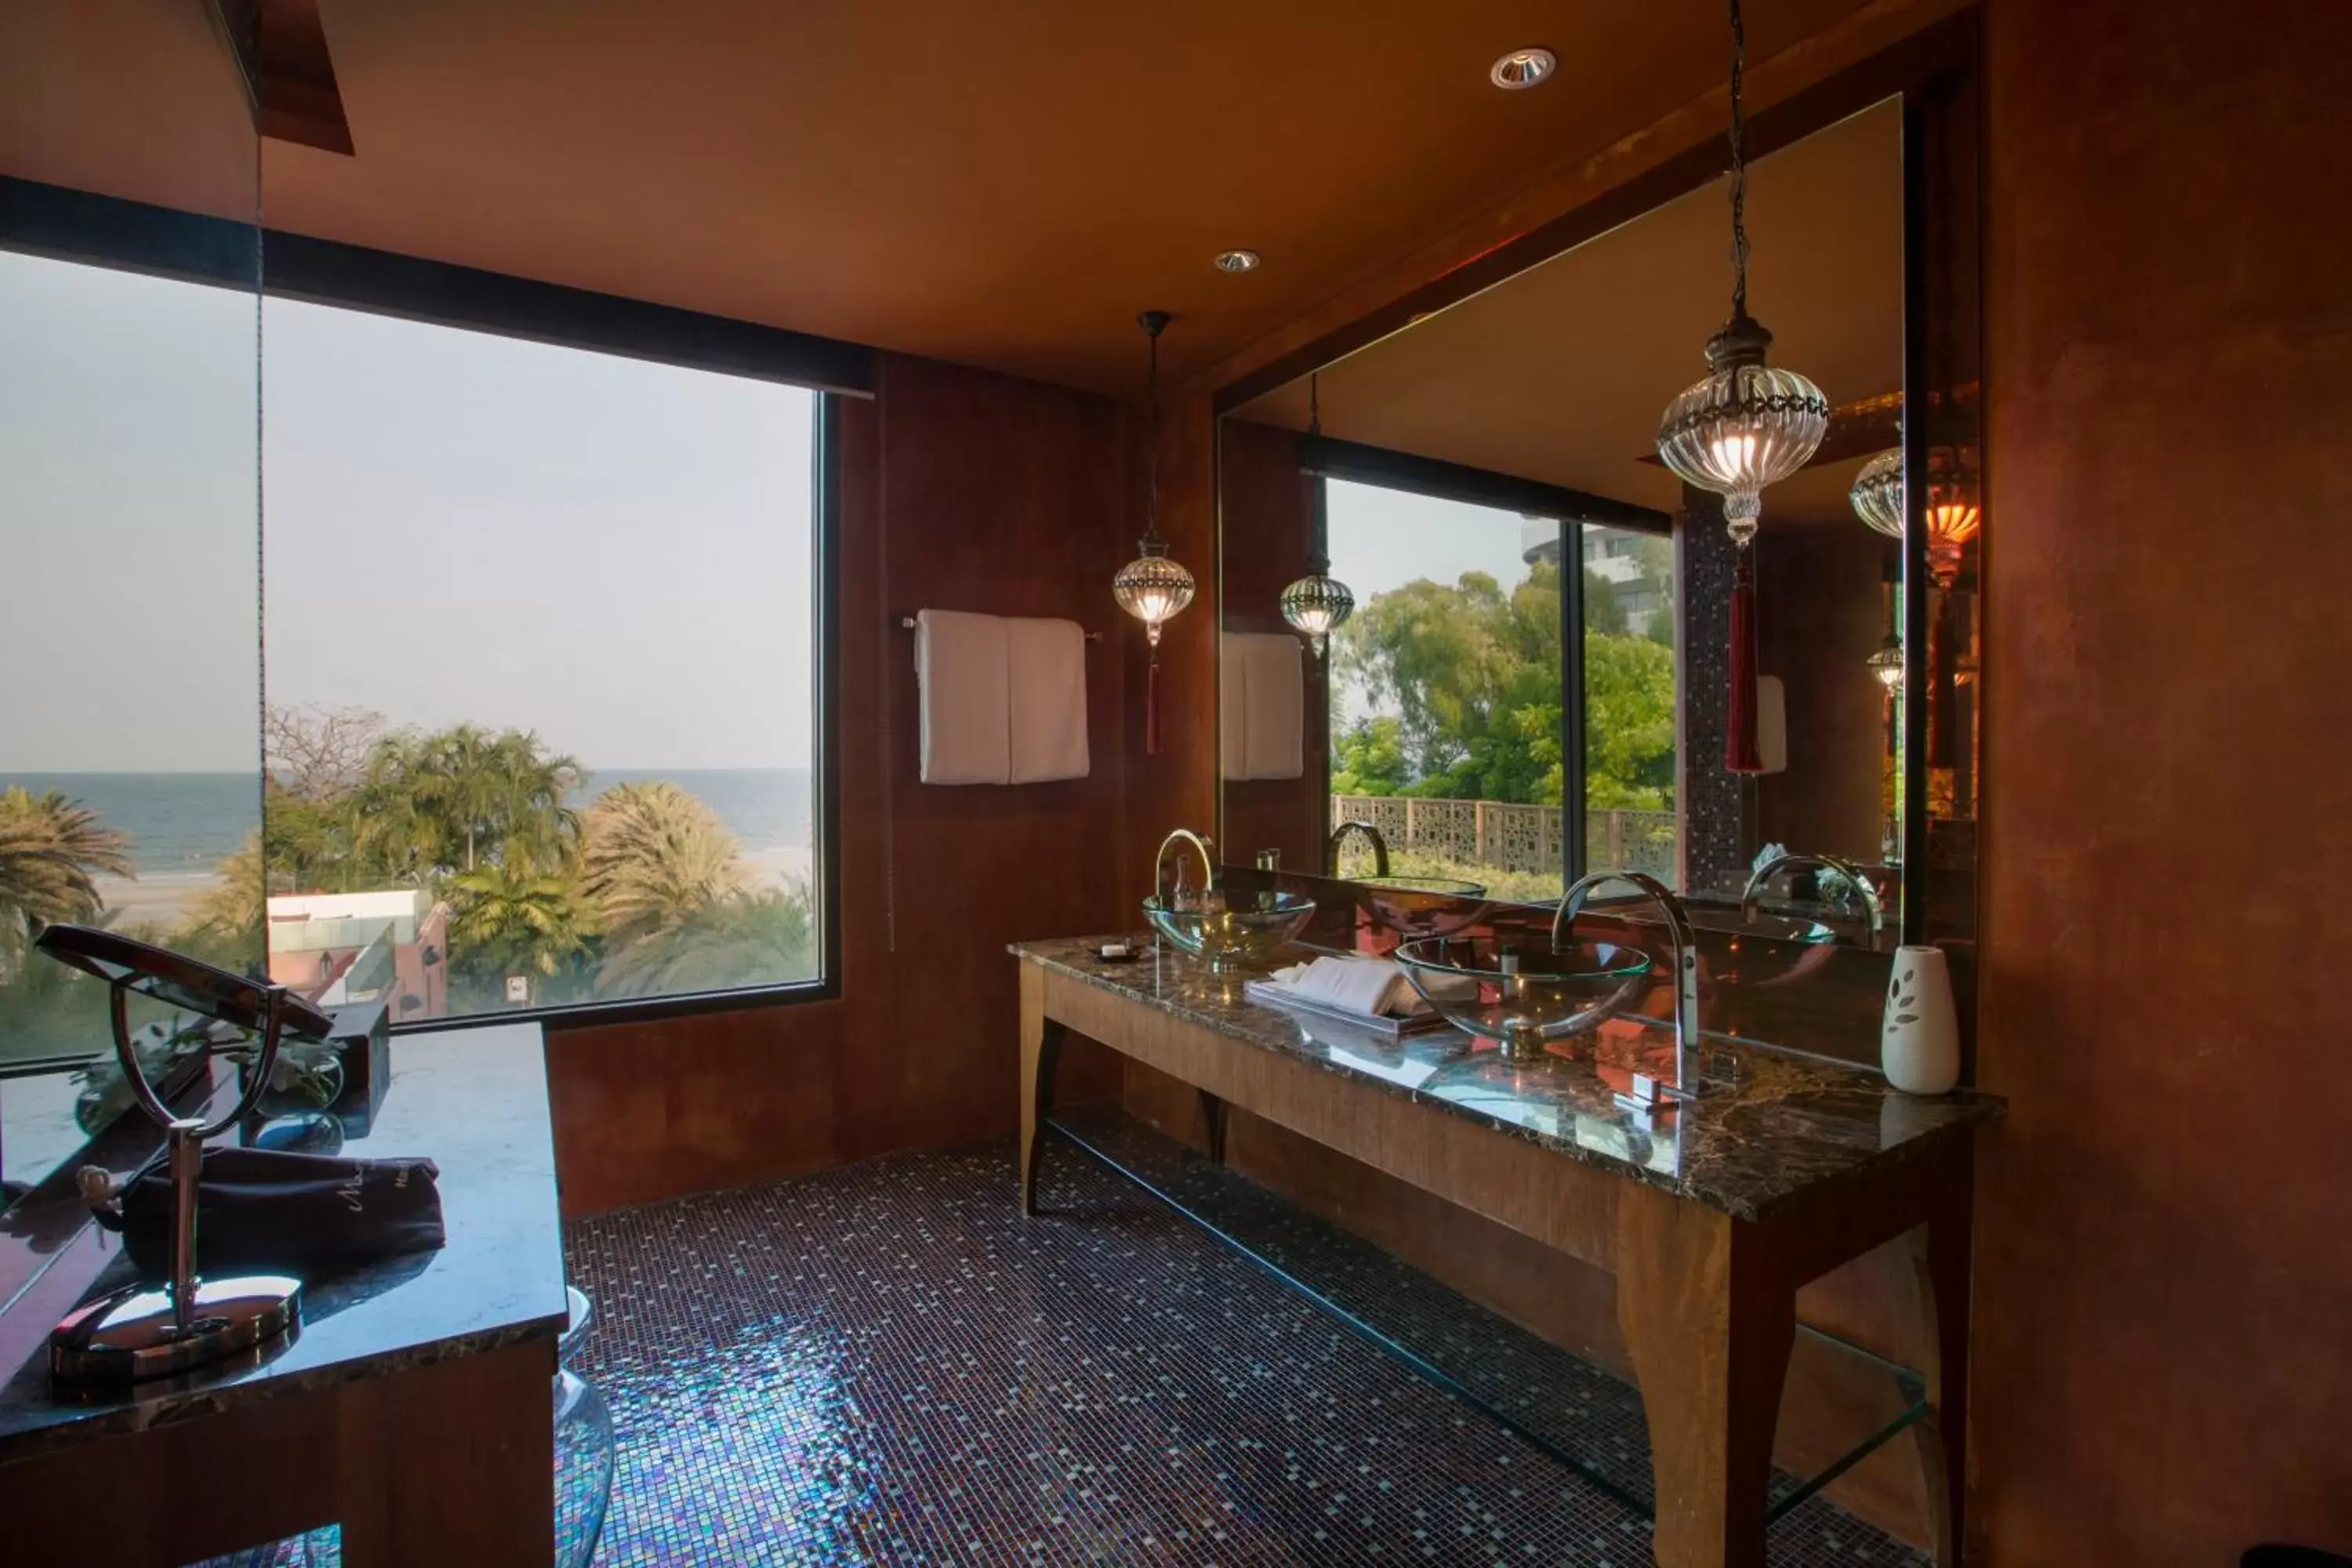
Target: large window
541 721
530 719
1450 691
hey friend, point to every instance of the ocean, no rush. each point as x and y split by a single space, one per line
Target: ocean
181 826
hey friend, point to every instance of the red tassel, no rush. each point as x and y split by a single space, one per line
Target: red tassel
1739 752
1151 709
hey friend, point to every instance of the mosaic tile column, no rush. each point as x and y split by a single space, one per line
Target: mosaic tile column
1712 800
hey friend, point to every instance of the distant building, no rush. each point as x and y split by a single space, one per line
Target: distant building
1608 553
391 946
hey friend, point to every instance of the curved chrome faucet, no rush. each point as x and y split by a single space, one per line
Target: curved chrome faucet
1159 863
1359 825
1647 1095
1871 905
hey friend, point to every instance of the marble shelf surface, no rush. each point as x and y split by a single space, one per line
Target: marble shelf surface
475 1101
1787 1122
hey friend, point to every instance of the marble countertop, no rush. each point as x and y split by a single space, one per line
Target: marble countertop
1790 1121
475 1101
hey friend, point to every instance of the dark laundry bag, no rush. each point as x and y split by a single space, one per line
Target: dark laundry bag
267 1209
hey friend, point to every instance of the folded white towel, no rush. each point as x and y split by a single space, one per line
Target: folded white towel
1233 706
962 665
1046 686
1278 708
1371 986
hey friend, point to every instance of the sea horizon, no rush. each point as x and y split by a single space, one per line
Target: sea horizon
182 825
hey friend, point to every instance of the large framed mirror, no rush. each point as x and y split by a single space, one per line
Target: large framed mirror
1535 682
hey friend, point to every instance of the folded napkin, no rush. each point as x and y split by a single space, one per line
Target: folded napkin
1373 987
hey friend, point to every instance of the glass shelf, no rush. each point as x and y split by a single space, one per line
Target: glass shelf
1576 1412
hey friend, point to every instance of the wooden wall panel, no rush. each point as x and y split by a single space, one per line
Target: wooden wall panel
2163 1355
1176 786
960 489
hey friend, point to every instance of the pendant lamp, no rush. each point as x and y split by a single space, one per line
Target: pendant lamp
1152 587
1953 512
1318 604
1745 426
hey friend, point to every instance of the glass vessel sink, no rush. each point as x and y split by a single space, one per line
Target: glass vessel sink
1246 931
1404 908
1523 992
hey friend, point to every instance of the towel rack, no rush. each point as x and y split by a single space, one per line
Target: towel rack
908 622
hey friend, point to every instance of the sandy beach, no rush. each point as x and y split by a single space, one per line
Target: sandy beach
162 902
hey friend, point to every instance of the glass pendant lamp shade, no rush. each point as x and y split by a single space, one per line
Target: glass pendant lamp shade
1886 664
1745 426
1153 588
1877 493
1316 606
1954 512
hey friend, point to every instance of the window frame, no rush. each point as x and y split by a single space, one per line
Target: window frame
81 227
1570 511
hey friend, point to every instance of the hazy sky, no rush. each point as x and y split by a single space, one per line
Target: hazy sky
613 553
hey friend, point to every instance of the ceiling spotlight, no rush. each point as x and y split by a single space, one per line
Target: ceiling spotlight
1522 69
1237 261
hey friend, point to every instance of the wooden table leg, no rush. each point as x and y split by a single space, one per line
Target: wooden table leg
1710 1324
1939 1254
1040 1052
1213 1126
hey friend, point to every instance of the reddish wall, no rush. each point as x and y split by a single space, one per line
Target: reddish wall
961 489
2164 1298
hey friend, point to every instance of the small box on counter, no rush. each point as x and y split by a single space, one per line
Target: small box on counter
363 1040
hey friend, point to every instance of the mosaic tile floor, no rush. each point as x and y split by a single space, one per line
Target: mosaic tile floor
886 1365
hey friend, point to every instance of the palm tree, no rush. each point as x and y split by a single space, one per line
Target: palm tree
504 921
51 851
440 804
654 856
745 939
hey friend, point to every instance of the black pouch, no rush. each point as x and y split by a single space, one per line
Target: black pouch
272 1209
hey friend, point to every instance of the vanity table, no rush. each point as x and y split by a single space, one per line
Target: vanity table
413 1410
1711 1217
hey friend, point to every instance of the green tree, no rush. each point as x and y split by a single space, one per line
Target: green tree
1369 758
1473 674
52 850
654 856
431 805
744 939
505 921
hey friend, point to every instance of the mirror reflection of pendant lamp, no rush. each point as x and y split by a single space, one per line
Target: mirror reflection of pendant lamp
1953 513
163 1327
1745 426
1152 587
1318 604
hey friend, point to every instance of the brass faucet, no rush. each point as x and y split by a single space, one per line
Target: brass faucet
1160 888
1365 829
1865 893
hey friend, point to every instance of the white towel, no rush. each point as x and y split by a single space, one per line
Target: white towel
962 665
1046 688
1276 709
1233 706
1370 986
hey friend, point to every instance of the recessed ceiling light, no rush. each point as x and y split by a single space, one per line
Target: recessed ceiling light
1522 69
1237 261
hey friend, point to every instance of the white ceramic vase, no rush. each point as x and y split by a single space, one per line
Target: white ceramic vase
1919 1043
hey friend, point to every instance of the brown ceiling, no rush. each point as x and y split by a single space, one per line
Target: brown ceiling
1561 373
1004 184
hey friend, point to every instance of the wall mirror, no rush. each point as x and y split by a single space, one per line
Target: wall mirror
1535 679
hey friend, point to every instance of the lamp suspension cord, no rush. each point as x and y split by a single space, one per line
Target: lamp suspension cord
1318 543
1738 166
1151 457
